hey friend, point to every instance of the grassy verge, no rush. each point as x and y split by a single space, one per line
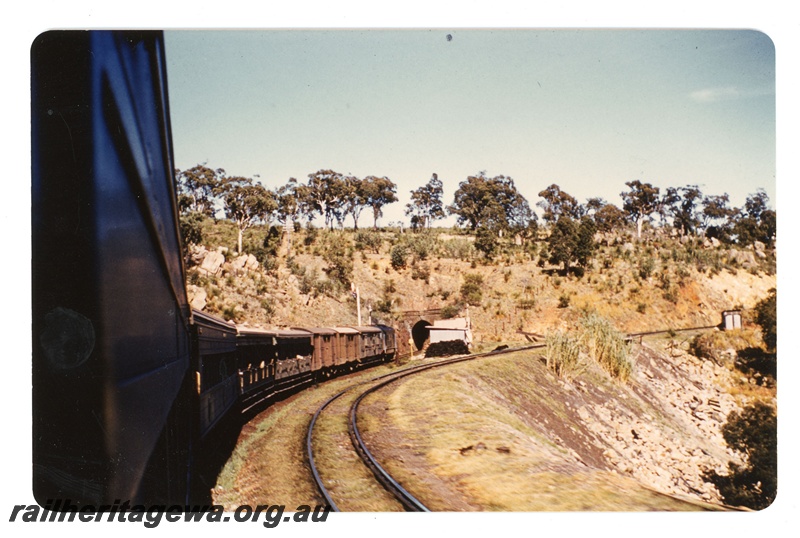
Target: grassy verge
496 432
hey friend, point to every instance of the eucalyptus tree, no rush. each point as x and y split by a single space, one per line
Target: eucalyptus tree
246 204
556 203
562 241
755 221
289 203
572 241
493 204
607 217
716 216
196 189
355 199
667 204
640 202
426 203
684 210
326 195
379 192
585 245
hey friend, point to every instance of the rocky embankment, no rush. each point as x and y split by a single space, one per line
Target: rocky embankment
676 435
507 434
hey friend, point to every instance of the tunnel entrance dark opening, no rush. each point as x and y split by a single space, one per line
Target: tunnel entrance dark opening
420 333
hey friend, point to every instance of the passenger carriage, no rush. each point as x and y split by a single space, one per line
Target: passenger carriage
215 367
129 384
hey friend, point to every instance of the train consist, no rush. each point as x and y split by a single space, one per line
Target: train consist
245 367
127 380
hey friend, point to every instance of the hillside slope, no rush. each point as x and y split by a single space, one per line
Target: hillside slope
506 434
644 286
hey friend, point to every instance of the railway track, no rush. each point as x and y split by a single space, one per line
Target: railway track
408 501
381 475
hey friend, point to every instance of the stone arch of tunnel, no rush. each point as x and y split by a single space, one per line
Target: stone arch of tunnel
420 333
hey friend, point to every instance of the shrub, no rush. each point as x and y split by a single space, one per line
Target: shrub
272 241
459 249
261 286
446 349
399 257
671 294
311 234
486 242
422 245
340 264
607 346
368 240
563 300
646 267
708 346
562 352
450 311
295 268
753 432
191 227
194 277
270 265
421 272
384 306
767 319
526 304
307 282
389 287
230 313
472 289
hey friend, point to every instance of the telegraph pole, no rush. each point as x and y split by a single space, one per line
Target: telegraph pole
357 294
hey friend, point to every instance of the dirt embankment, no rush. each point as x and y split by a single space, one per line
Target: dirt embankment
506 434
516 294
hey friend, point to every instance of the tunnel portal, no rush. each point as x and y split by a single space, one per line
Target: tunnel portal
420 333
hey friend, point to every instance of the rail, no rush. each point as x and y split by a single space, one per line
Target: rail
408 500
381 475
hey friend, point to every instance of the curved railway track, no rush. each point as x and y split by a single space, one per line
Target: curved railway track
406 499
382 476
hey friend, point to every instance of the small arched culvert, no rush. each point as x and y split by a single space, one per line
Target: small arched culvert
420 333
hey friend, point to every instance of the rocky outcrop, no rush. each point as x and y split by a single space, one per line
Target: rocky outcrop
197 297
212 263
677 435
245 262
209 262
744 258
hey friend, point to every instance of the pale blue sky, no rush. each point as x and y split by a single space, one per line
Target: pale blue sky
588 110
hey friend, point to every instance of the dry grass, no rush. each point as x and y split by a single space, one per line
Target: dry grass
607 346
269 462
349 482
486 431
714 344
563 353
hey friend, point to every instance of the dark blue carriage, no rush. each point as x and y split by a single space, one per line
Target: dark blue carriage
111 348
